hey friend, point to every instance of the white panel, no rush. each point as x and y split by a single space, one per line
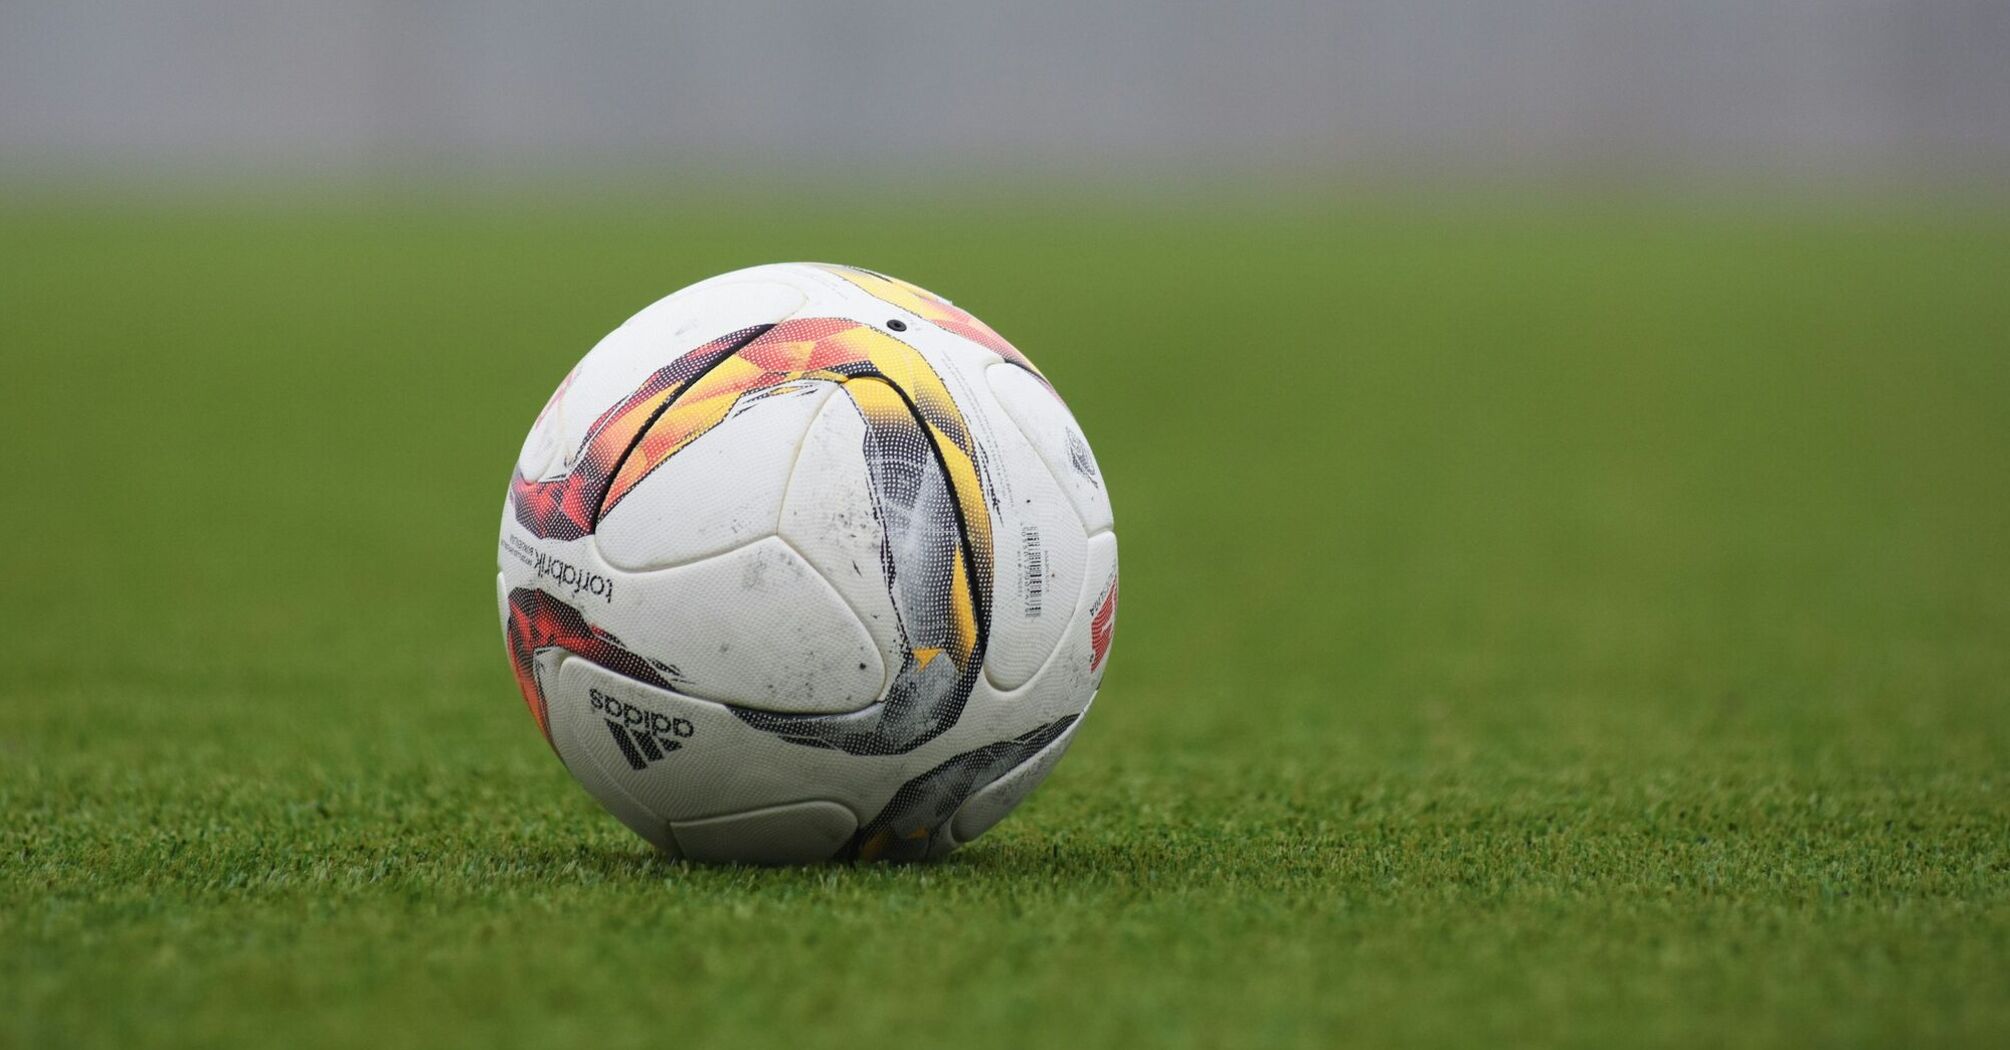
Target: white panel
796 833
722 765
1064 685
755 627
828 516
580 737
1038 552
1047 423
723 490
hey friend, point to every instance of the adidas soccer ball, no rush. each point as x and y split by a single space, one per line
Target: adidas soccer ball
804 562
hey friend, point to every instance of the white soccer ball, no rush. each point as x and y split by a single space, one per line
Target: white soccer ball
804 562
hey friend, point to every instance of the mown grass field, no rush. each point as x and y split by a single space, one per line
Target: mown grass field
1562 624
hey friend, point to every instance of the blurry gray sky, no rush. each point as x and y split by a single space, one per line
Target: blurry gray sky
1119 88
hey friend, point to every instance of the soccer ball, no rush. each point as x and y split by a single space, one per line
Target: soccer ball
804 562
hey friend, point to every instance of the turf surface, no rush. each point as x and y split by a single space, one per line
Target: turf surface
1586 625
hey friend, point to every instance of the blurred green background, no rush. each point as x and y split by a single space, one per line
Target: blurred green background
1547 618
1560 450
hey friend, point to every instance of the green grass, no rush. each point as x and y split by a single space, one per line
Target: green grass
1586 626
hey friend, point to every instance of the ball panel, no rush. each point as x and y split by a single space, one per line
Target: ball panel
1051 428
723 491
989 804
828 516
705 761
796 833
757 627
1040 556
924 490
914 822
1065 683
578 738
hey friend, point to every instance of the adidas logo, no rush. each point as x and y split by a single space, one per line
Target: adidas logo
644 737
639 748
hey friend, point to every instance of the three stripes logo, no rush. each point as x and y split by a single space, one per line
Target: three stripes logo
644 737
639 748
